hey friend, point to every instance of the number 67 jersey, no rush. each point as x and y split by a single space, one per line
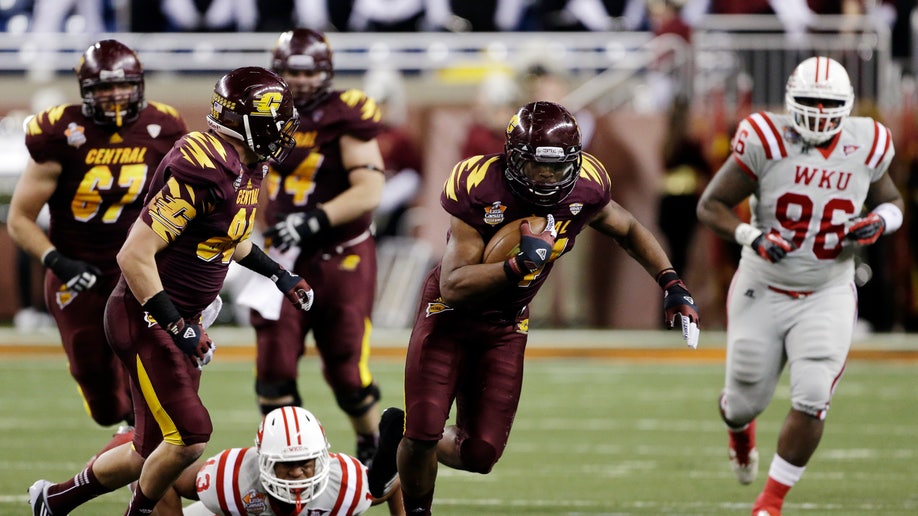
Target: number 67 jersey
808 194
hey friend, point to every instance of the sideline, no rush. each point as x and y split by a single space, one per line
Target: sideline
237 343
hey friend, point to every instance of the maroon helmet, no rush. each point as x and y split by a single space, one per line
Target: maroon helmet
543 153
105 63
305 50
254 105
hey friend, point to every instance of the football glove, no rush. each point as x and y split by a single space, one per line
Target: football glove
77 275
535 249
772 246
678 305
866 230
192 340
295 289
296 229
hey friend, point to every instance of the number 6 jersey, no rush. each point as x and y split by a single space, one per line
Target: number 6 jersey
808 194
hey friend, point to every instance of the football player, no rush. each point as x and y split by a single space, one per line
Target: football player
472 324
290 472
318 210
819 189
197 217
91 164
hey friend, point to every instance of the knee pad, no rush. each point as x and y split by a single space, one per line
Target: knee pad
477 456
277 390
811 394
354 404
737 409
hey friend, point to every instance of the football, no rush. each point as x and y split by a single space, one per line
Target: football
506 242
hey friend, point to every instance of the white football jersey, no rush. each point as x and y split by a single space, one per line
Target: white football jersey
229 484
808 194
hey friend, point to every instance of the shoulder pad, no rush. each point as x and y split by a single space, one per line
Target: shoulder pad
164 108
467 174
355 98
45 120
768 134
202 150
593 170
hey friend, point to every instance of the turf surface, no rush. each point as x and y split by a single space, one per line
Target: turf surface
592 436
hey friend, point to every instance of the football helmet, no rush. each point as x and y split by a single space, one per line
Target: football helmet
109 62
304 50
254 105
819 96
292 434
543 153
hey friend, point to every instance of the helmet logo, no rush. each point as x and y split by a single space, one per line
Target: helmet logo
301 61
111 75
268 104
514 121
549 153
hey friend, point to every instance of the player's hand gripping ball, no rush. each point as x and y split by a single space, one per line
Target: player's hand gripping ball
506 242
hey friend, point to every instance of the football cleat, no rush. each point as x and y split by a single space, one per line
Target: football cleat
38 498
744 457
766 506
383 473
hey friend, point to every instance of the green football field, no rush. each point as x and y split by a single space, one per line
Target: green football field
592 436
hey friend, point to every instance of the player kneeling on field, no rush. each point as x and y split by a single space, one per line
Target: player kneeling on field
288 472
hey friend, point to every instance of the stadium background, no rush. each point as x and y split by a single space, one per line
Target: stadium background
734 66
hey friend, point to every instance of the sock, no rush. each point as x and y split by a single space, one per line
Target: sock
140 504
63 498
782 475
743 437
419 505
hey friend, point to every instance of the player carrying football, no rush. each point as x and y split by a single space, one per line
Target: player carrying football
472 325
819 189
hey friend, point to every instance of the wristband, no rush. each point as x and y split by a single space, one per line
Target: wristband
745 234
891 215
161 308
258 261
50 256
666 277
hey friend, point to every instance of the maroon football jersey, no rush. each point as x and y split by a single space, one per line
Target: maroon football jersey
313 172
104 178
477 193
202 201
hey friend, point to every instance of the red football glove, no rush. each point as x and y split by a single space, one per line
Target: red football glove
772 247
295 289
535 250
866 230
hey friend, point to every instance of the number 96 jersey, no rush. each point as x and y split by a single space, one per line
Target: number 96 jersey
808 194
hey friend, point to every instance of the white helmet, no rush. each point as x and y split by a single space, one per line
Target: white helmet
819 78
292 434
